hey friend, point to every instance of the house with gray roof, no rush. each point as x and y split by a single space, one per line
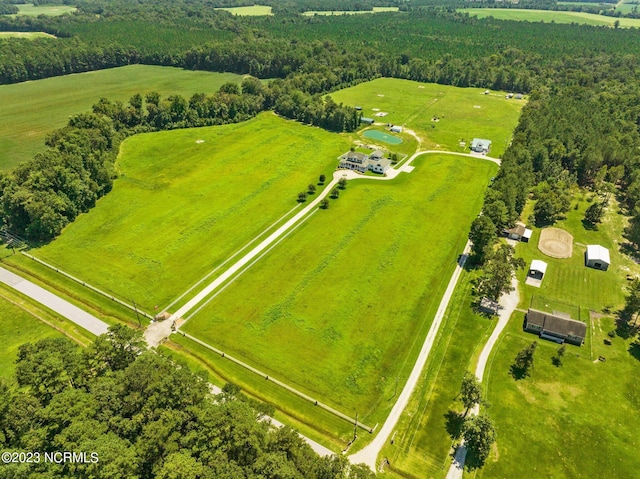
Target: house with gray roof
376 162
480 146
556 326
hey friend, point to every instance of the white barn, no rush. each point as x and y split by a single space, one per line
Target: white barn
597 257
396 129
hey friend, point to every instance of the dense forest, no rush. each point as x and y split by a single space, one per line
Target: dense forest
135 414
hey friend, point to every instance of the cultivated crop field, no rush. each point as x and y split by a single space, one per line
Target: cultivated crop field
252 11
549 16
459 113
188 199
341 307
31 110
29 35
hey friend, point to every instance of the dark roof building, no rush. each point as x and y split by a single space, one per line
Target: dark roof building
555 327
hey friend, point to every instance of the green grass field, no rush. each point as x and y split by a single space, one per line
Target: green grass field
311 13
575 421
50 10
462 113
29 35
252 11
341 307
18 327
549 16
179 208
31 110
422 444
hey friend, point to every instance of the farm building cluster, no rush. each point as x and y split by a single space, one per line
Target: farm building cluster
362 162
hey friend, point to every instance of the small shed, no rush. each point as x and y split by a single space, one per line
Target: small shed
537 269
480 145
367 121
520 233
597 257
396 129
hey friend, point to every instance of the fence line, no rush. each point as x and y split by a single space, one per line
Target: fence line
327 408
87 285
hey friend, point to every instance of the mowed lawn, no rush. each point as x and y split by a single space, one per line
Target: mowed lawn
180 207
462 113
341 307
549 16
32 109
568 280
576 421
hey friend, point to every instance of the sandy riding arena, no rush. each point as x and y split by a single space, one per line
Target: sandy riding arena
556 243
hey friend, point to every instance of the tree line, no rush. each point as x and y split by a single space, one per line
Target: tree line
137 414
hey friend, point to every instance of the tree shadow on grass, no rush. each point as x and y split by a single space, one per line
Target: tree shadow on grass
588 225
634 349
518 373
454 422
624 328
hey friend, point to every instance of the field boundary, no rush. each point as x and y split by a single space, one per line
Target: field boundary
283 385
87 285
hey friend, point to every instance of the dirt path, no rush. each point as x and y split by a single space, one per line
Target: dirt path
508 304
370 453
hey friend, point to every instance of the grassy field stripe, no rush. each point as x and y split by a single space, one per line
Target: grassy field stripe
204 278
258 258
281 384
87 285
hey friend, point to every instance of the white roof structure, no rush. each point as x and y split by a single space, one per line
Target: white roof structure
595 252
527 234
537 265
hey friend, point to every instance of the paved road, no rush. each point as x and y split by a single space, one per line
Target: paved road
53 302
508 304
370 453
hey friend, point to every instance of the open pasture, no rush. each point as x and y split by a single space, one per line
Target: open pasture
32 10
29 35
550 16
441 115
341 307
32 109
252 11
186 200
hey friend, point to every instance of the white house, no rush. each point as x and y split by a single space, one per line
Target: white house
480 146
396 129
537 269
361 162
597 257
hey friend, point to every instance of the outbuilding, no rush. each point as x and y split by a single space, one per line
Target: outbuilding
537 269
396 129
597 257
367 121
520 233
480 146
557 327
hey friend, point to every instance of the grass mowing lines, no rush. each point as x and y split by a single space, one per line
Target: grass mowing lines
180 207
31 110
330 309
459 113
